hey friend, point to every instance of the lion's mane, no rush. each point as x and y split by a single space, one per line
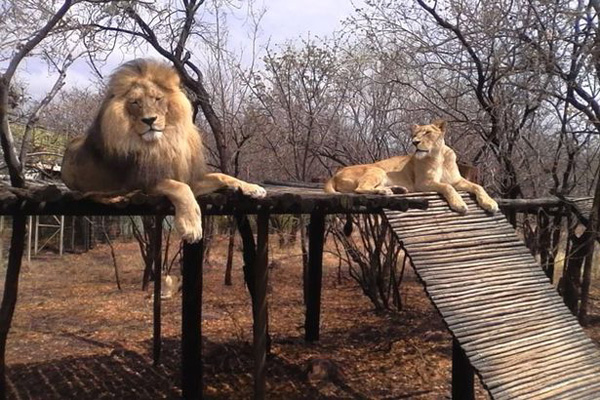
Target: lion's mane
178 155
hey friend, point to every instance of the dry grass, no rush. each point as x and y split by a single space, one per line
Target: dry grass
75 335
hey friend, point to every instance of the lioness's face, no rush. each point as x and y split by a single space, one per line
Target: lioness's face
428 138
146 104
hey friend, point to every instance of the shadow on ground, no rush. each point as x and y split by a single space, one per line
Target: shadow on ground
124 374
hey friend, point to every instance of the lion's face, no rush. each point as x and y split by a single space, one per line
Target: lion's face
427 139
146 107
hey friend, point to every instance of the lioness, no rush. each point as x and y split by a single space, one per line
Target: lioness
144 137
432 167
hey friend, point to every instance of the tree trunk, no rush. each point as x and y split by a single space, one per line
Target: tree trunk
6 138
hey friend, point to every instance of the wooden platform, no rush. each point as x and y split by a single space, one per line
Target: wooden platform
56 199
500 307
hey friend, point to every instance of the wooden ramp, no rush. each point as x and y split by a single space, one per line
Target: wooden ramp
520 338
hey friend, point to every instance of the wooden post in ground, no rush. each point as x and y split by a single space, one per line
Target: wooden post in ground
316 236
29 236
260 304
157 253
191 322
61 235
11 289
462 374
36 223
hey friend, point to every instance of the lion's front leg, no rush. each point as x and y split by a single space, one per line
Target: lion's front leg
188 218
215 181
484 200
454 200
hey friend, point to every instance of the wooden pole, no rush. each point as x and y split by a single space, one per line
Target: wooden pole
36 222
62 235
260 305
11 289
316 237
191 321
157 339
29 235
462 374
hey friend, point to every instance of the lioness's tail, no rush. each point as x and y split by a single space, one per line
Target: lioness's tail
330 186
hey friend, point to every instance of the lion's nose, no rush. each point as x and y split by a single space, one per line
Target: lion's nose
149 120
416 142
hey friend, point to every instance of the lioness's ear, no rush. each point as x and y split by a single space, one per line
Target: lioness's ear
440 123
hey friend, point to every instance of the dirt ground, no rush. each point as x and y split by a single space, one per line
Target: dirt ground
75 335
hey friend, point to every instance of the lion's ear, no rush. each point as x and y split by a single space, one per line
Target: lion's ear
413 128
441 124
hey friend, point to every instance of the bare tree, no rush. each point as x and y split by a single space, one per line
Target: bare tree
22 49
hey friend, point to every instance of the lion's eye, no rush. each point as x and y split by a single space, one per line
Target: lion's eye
158 98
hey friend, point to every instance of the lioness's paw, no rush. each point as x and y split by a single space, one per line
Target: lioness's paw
385 191
490 205
188 223
399 189
252 190
460 207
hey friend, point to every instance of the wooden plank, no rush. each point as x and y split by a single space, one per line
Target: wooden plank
525 345
460 277
400 221
535 387
430 257
550 365
518 325
501 259
504 323
434 228
459 315
501 290
570 349
419 241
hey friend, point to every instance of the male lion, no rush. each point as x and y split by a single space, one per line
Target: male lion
431 168
144 138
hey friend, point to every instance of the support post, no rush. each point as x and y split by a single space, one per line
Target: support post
157 250
191 321
29 235
36 222
11 289
313 280
62 235
462 374
260 304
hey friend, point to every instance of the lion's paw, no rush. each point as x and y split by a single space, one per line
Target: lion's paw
252 190
460 207
189 224
490 205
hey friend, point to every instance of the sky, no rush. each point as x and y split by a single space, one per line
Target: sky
284 20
